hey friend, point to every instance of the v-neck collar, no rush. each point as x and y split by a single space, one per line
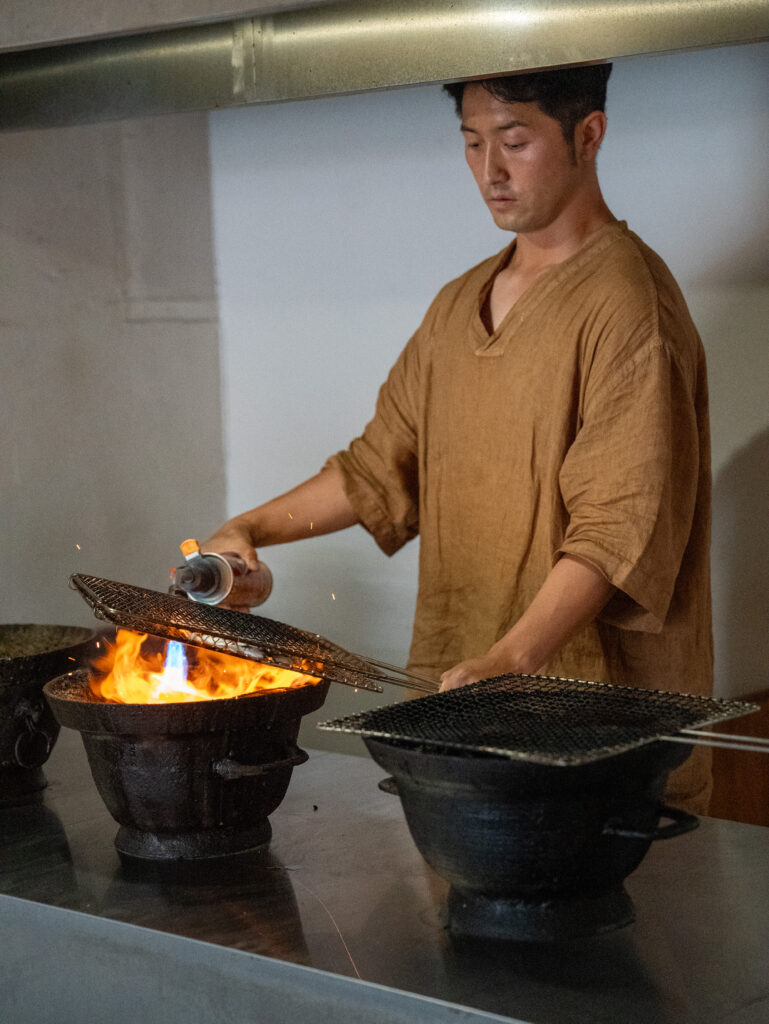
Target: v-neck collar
494 344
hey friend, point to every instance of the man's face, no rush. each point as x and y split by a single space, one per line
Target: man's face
520 160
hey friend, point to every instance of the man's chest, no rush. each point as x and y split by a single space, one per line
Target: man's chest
509 286
494 413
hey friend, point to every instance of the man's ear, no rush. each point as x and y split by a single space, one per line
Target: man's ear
589 134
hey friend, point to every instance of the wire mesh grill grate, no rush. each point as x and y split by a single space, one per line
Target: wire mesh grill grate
542 719
220 629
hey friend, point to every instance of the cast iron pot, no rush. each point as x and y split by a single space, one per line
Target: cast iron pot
534 852
30 655
190 780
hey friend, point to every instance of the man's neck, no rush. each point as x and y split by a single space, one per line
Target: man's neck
537 250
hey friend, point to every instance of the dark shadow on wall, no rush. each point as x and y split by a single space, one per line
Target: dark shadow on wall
740 560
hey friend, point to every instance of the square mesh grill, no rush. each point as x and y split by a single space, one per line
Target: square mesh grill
220 629
541 719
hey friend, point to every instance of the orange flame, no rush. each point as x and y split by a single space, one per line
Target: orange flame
128 674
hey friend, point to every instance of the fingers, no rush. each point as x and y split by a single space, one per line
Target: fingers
473 670
460 675
252 560
247 555
249 560
233 607
233 540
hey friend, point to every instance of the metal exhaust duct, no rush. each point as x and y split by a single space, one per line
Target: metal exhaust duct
348 47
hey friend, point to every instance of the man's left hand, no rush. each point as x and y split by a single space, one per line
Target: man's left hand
473 669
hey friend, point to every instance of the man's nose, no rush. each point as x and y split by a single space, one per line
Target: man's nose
494 170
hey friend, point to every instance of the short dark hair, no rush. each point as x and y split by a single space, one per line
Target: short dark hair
566 94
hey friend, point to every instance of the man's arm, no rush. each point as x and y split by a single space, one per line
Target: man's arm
317 506
571 596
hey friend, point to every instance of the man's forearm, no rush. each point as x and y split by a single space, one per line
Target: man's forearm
572 595
317 506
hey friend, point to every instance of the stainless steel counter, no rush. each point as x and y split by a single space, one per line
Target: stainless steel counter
342 889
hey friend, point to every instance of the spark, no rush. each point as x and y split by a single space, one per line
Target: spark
78 547
70 659
333 597
290 516
311 525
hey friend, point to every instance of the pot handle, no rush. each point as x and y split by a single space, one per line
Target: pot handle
681 822
229 769
35 742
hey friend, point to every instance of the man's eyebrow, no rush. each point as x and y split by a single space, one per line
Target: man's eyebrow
500 128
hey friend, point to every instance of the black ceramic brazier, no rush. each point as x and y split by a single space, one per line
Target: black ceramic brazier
534 852
188 780
30 655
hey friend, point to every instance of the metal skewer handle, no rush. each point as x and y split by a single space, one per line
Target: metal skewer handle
723 740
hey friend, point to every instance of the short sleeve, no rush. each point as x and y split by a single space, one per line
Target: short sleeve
629 483
380 468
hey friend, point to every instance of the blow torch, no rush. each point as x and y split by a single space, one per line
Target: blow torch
208 578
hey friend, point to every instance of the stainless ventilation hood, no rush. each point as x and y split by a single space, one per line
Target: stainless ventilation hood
208 54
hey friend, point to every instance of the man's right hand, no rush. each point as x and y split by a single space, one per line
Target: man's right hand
233 538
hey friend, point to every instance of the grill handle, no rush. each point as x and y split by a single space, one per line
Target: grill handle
230 769
680 823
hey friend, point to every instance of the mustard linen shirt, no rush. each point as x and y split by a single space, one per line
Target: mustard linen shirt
580 425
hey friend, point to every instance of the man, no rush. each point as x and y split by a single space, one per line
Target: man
545 432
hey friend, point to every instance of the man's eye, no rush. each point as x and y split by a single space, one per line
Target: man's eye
514 145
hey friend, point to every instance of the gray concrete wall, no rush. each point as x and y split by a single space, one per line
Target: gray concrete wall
110 419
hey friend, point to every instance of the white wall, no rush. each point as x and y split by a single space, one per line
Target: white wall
337 220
